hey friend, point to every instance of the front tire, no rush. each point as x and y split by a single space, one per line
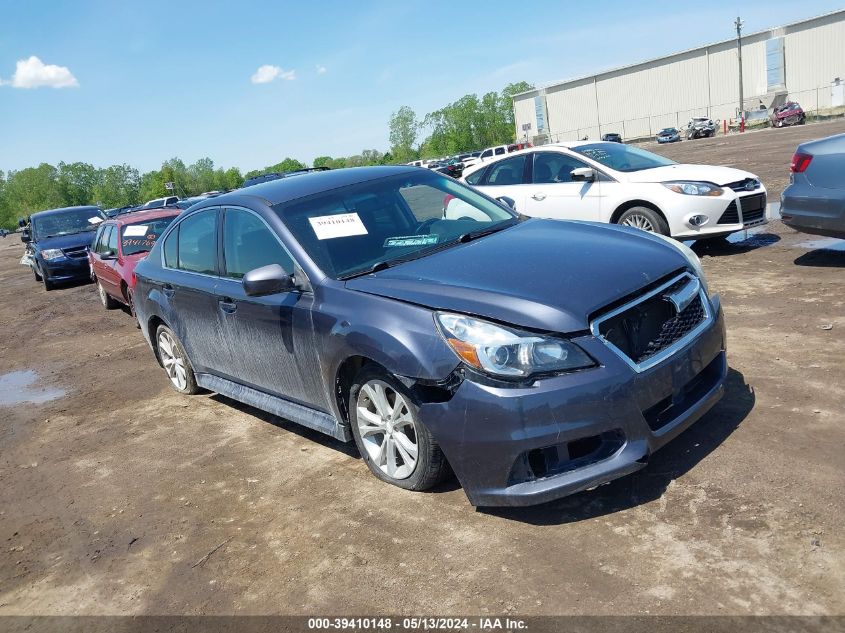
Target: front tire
389 434
175 361
37 276
645 219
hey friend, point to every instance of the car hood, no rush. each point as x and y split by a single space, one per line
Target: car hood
66 241
542 274
707 173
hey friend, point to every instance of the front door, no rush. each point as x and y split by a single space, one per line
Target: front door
553 194
507 178
270 339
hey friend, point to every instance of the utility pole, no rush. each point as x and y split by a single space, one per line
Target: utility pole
738 24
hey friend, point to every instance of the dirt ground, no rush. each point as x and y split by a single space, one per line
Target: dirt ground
121 496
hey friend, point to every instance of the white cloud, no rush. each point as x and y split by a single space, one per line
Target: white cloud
267 73
33 73
321 70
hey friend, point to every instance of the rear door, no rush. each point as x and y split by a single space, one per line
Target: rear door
270 339
553 194
507 178
189 283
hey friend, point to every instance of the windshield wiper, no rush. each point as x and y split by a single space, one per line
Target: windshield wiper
472 235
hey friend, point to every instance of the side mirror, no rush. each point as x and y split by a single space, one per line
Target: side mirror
583 174
508 201
109 254
21 222
26 238
267 280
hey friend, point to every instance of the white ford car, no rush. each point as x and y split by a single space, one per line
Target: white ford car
622 184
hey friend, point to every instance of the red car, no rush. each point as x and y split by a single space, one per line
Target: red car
120 243
790 113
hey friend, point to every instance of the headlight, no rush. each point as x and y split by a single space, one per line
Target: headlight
508 352
52 253
691 188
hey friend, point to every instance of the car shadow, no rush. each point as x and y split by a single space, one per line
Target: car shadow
822 258
648 484
67 285
347 448
734 245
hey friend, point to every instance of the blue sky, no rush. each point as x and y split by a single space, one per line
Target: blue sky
162 79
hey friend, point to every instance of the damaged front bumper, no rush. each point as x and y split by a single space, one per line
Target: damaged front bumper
516 446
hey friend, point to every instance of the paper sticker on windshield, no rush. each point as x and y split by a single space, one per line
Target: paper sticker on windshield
410 240
328 227
94 220
135 230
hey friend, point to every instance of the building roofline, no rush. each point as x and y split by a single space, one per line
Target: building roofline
555 84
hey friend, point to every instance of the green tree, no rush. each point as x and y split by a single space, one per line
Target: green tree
118 186
323 161
77 182
288 164
32 189
404 129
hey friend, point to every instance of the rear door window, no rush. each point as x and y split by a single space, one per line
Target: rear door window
198 243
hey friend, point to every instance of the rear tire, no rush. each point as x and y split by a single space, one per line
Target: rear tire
645 219
175 361
392 440
109 303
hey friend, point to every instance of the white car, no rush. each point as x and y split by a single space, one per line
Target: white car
622 184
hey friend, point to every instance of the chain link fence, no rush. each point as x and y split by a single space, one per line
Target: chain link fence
822 103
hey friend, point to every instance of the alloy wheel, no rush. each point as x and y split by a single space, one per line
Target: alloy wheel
387 429
172 360
638 221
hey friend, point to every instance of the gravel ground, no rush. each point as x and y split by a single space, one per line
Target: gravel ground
120 496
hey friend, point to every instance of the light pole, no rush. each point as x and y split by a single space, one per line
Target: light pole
738 25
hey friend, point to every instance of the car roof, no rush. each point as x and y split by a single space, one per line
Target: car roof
47 212
287 189
145 216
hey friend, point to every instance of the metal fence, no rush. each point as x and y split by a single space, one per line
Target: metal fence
818 103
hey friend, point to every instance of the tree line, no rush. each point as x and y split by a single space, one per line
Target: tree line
469 123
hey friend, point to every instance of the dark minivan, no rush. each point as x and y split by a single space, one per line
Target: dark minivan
58 241
533 358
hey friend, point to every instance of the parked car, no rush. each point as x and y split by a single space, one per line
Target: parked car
452 167
701 127
116 249
3 232
612 137
159 203
814 201
622 184
668 135
111 213
57 243
790 113
535 358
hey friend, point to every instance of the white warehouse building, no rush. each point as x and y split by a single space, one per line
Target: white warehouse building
803 62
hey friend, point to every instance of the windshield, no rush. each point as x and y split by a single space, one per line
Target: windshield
141 236
355 229
66 223
622 157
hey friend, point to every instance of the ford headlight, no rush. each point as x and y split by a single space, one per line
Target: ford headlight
692 188
52 253
508 352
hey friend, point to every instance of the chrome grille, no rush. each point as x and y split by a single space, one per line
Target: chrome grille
652 327
77 252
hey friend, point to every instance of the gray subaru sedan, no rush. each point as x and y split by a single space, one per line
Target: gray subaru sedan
531 358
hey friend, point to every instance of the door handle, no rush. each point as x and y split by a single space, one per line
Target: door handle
168 290
227 305
539 196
